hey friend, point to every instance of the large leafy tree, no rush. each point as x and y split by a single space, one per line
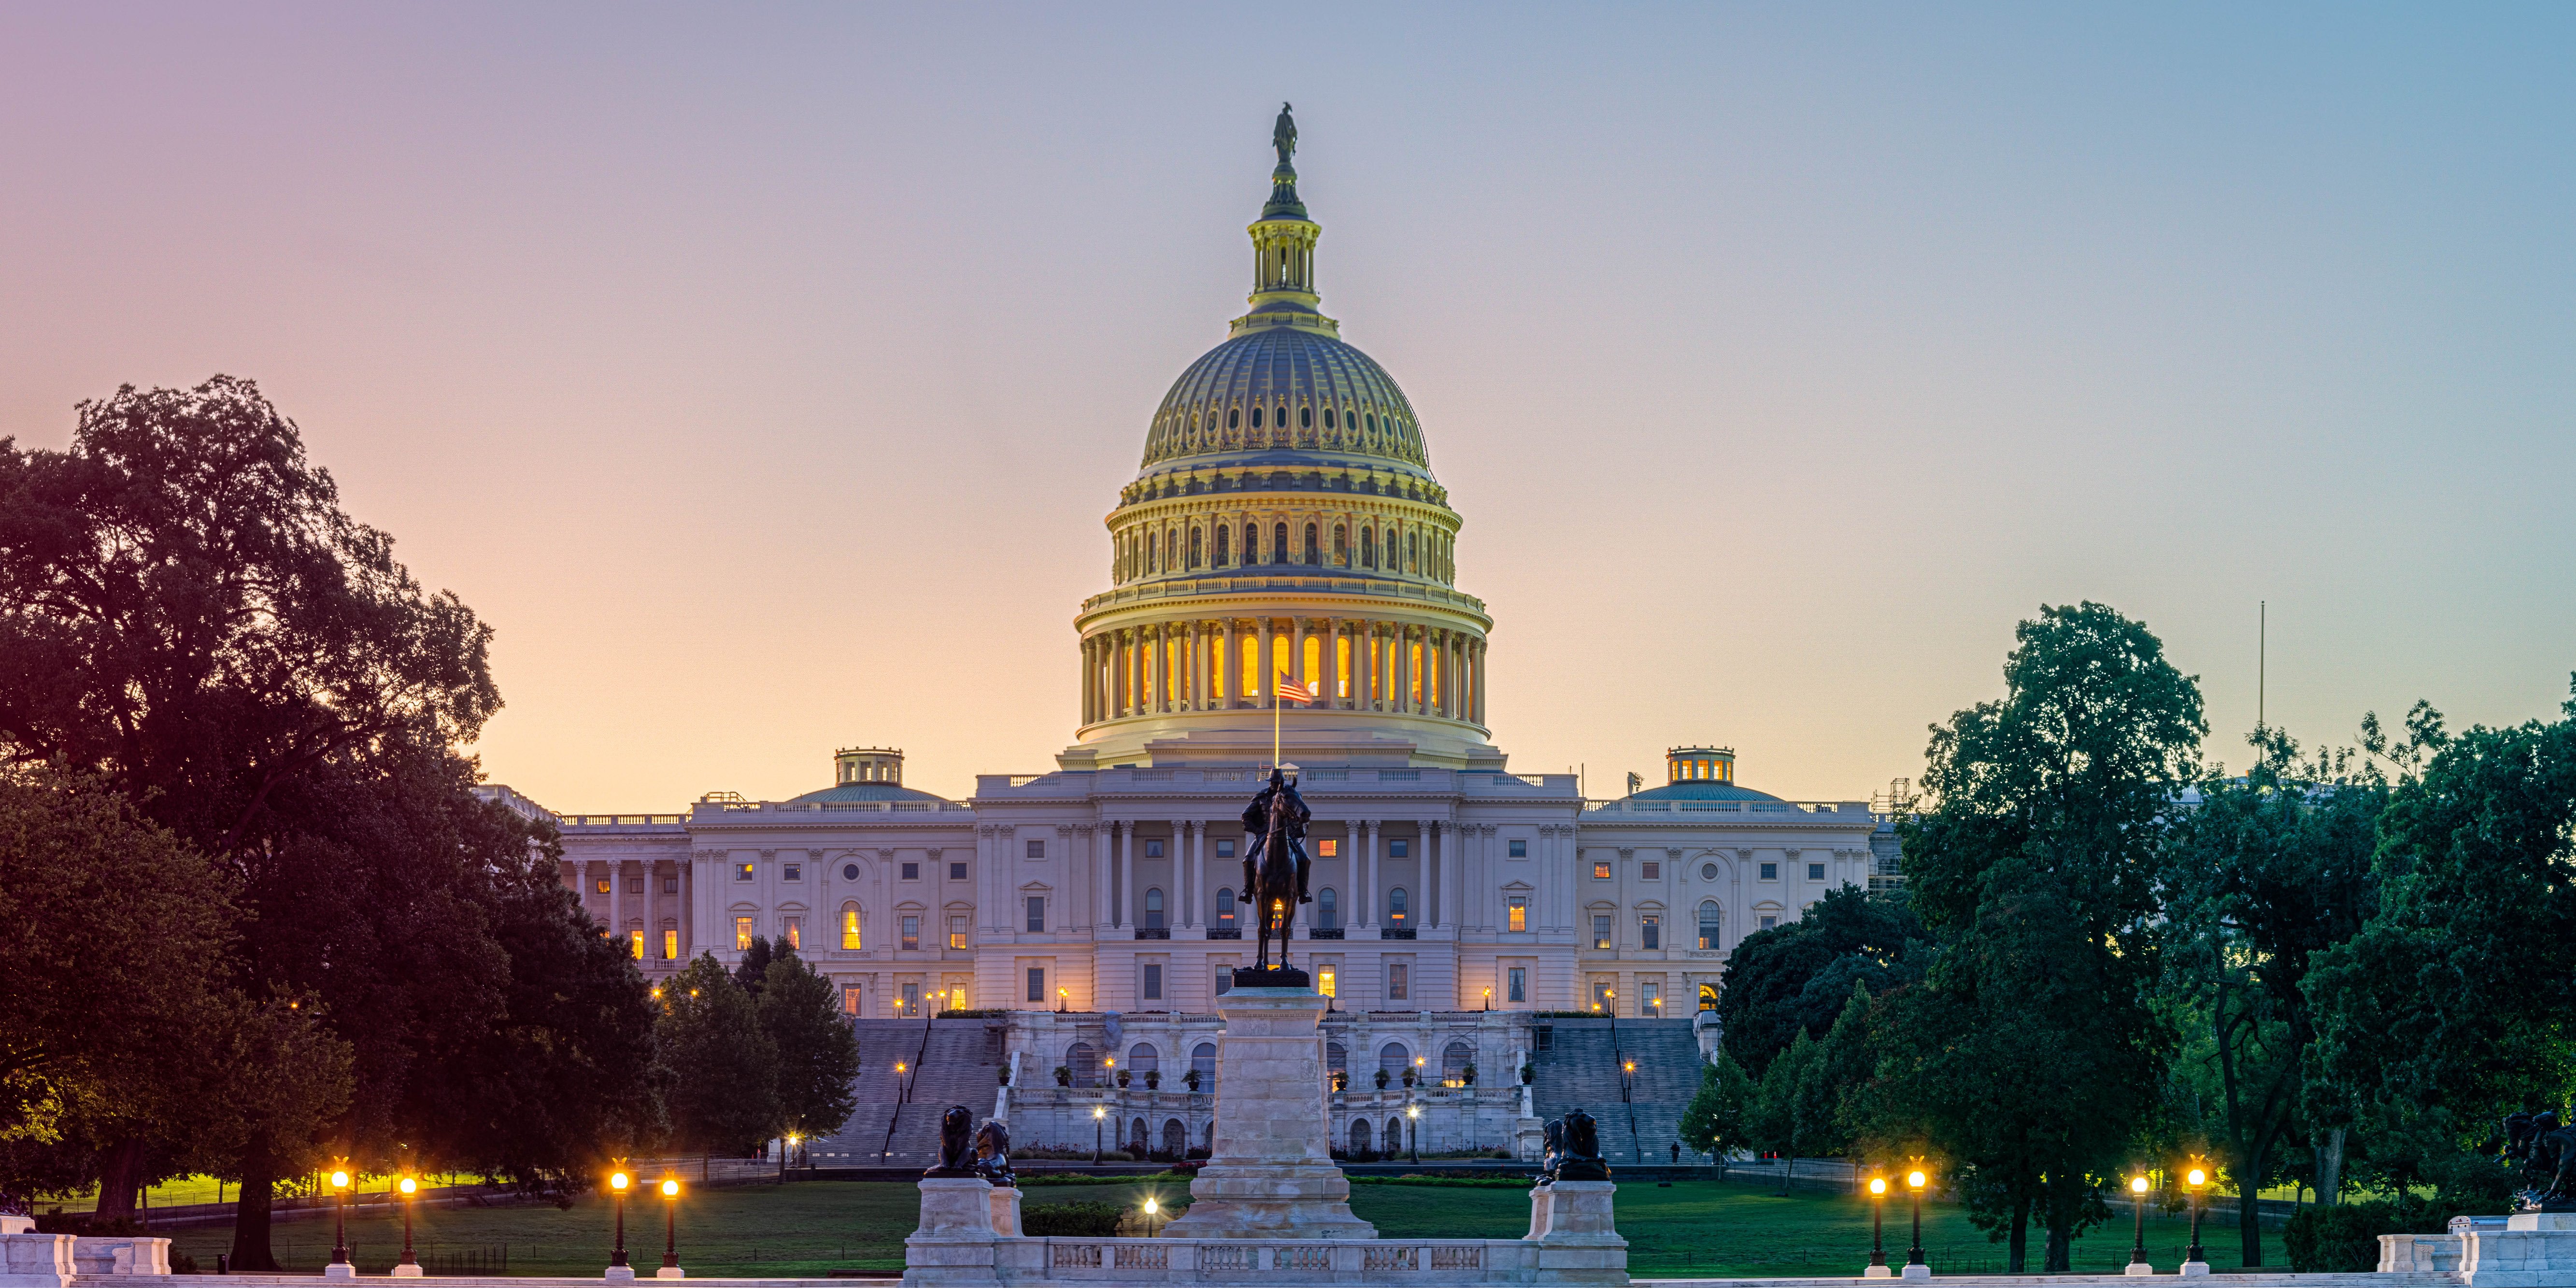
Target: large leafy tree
2031 1051
721 1069
186 613
1796 978
2448 1009
817 1047
2260 875
1715 1119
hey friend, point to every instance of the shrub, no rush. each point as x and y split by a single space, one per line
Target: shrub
1064 1075
1075 1220
1467 1075
1381 1079
2345 1237
1191 1079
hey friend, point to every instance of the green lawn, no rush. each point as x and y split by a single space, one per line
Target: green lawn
1694 1228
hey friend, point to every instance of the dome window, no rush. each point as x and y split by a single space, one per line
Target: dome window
1305 418
1368 548
1194 549
1234 418
1251 544
1328 418
1312 555
1256 418
1370 422
1221 535
1279 544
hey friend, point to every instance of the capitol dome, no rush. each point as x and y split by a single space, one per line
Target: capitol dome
1283 562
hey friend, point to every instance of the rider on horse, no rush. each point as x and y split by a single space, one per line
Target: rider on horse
1256 827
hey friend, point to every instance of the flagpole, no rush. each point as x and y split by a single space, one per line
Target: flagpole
1274 722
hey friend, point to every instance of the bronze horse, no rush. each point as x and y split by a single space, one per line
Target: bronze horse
1275 865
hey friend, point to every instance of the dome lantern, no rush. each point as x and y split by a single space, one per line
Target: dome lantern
1283 250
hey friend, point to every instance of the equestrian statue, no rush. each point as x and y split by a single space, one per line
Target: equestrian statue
1275 868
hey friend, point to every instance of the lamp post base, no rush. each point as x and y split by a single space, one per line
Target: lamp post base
619 1274
2192 1268
407 1272
670 1272
2139 1268
1878 1272
339 1270
1918 1270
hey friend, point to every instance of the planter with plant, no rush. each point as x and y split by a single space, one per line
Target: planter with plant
1529 1074
1122 1078
1064 1075
1381 1079
1191 1079
1467 1076
1153 1080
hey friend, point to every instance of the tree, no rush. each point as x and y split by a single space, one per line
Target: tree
818 1048
1715 1118
752 972
2259 876
2030 1051
1795 978
2447 1010
722 1070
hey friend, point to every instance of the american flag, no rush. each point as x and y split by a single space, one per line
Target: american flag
1291 691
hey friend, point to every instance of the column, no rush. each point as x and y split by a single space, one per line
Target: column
1198 873
1194 678
1104 911
1268 670
653 911
1305 631
1233 667
1373 641
688 914
1333 696
1124 897
1364 876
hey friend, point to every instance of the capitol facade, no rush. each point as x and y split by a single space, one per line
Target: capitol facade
1285 522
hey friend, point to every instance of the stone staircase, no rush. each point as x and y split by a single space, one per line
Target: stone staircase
947 1062
1580 1068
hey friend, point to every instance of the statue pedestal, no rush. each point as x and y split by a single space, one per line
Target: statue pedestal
36 1260
954 1243
1271 1173
1577 1240
1006 1211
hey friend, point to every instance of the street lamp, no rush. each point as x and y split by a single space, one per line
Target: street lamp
409 1267
1060 995
618 1180
1489 999
340 1267
786 1151
2138 1248
1915 1179
1877 1224
1151 1207
1627 1080
1412 1137
1098 1112
2197 1177
670 1230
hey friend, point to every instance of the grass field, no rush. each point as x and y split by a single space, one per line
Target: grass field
1693 1228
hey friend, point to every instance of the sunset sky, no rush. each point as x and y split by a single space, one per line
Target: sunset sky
763 374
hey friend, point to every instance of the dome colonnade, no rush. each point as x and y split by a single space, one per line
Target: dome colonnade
1284 522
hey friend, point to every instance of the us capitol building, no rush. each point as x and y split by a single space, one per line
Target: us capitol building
1285 521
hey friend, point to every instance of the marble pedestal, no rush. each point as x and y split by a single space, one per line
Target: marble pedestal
35 1260
955 1242
1006 1211
1271 1173
1578 1242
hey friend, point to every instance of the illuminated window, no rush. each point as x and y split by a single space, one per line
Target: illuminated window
1815 872
912 934
1327 849
1037 914
1520 849
1651 871
670 945
1650 931
1770 871
1341 670
1395 905
849 999
1708 997
795 932
1600 871
1601 930
1710 919
742 872
1037 983
1194 547
742 934
850 926
1516 913
635 943
603 885
956 932
1314 656
1397 982
1328 981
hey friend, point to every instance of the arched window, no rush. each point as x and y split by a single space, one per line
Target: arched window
1279 543
1234 418
1256 417
1368 547
1136 1138
1225 907
1454 1059
1337 1058
1413 551
1150 548
1371 422
1085 1064
850 927
1708 997
1154 909
1395 906
1312 554
1251 544
1203 1063
1359 1135
1394 1134
1305 418
1176 1139
1341 546
1328 912
1712 925
1194 549
1221 544
1144 1059
1393 1059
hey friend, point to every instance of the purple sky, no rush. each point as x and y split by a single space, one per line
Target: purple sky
763 374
